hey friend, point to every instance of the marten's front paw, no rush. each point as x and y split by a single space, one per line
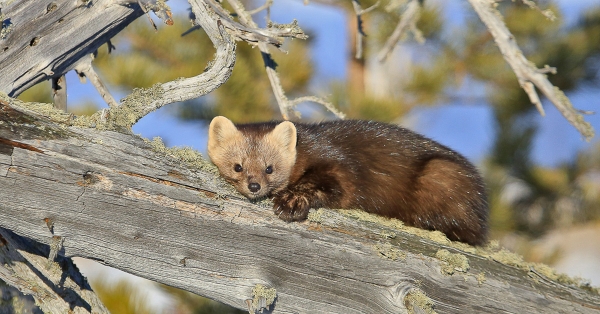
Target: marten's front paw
290 206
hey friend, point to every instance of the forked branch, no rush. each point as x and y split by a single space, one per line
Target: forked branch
528 74
286 106
408 21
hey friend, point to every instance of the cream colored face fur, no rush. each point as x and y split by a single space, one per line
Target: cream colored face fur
246 161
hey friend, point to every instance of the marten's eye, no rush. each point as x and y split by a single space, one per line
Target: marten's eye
237 168
269 170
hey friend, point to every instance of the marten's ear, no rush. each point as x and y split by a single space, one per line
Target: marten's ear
220 131
284 135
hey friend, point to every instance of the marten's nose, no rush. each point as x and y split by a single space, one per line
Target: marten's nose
253 187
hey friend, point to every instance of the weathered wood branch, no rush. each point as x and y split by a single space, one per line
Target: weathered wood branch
528 75
62 290
286 106
165 215
43 39
84 69
145 100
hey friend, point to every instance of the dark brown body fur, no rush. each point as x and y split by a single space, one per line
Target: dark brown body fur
382 169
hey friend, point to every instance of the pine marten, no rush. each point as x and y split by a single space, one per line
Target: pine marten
377 167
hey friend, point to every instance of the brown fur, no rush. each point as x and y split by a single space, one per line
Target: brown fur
377 167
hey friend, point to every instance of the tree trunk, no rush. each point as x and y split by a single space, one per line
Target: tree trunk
165 215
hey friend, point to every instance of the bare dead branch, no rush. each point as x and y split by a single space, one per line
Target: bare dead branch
84 68
408 21
55 283
329 106
272 35
59 92
55 39
285 105
160 9
527 73
358 10
167 216
143 101
547 13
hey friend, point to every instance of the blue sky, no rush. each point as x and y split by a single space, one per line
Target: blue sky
466 128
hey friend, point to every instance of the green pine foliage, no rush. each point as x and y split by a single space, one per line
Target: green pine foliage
189 303
121 297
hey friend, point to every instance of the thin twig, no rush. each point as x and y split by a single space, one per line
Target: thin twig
528 75
265 6
84 68
547 13
407 22
318 100
358 10
285 105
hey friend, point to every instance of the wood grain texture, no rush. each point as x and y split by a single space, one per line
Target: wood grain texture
62 288
44 39
114 199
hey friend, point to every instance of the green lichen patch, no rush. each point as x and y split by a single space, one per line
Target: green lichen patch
318 215
452 262
396 224
42 109
416 301
535 270
191 157
388 251
362 215
262 297
386 234
480 278
32 119
507 257
135 105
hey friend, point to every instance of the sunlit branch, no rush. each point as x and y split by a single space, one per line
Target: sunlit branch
285 105
84 68
527 73
408 21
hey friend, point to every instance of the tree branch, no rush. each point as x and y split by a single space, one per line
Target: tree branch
254 34
527 73
145 100
167 216
84 68
286 106
63 32
408 21
360 34
56 285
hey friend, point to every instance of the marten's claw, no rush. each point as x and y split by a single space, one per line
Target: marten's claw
291 207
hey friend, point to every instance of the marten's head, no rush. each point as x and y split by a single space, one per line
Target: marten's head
256 158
